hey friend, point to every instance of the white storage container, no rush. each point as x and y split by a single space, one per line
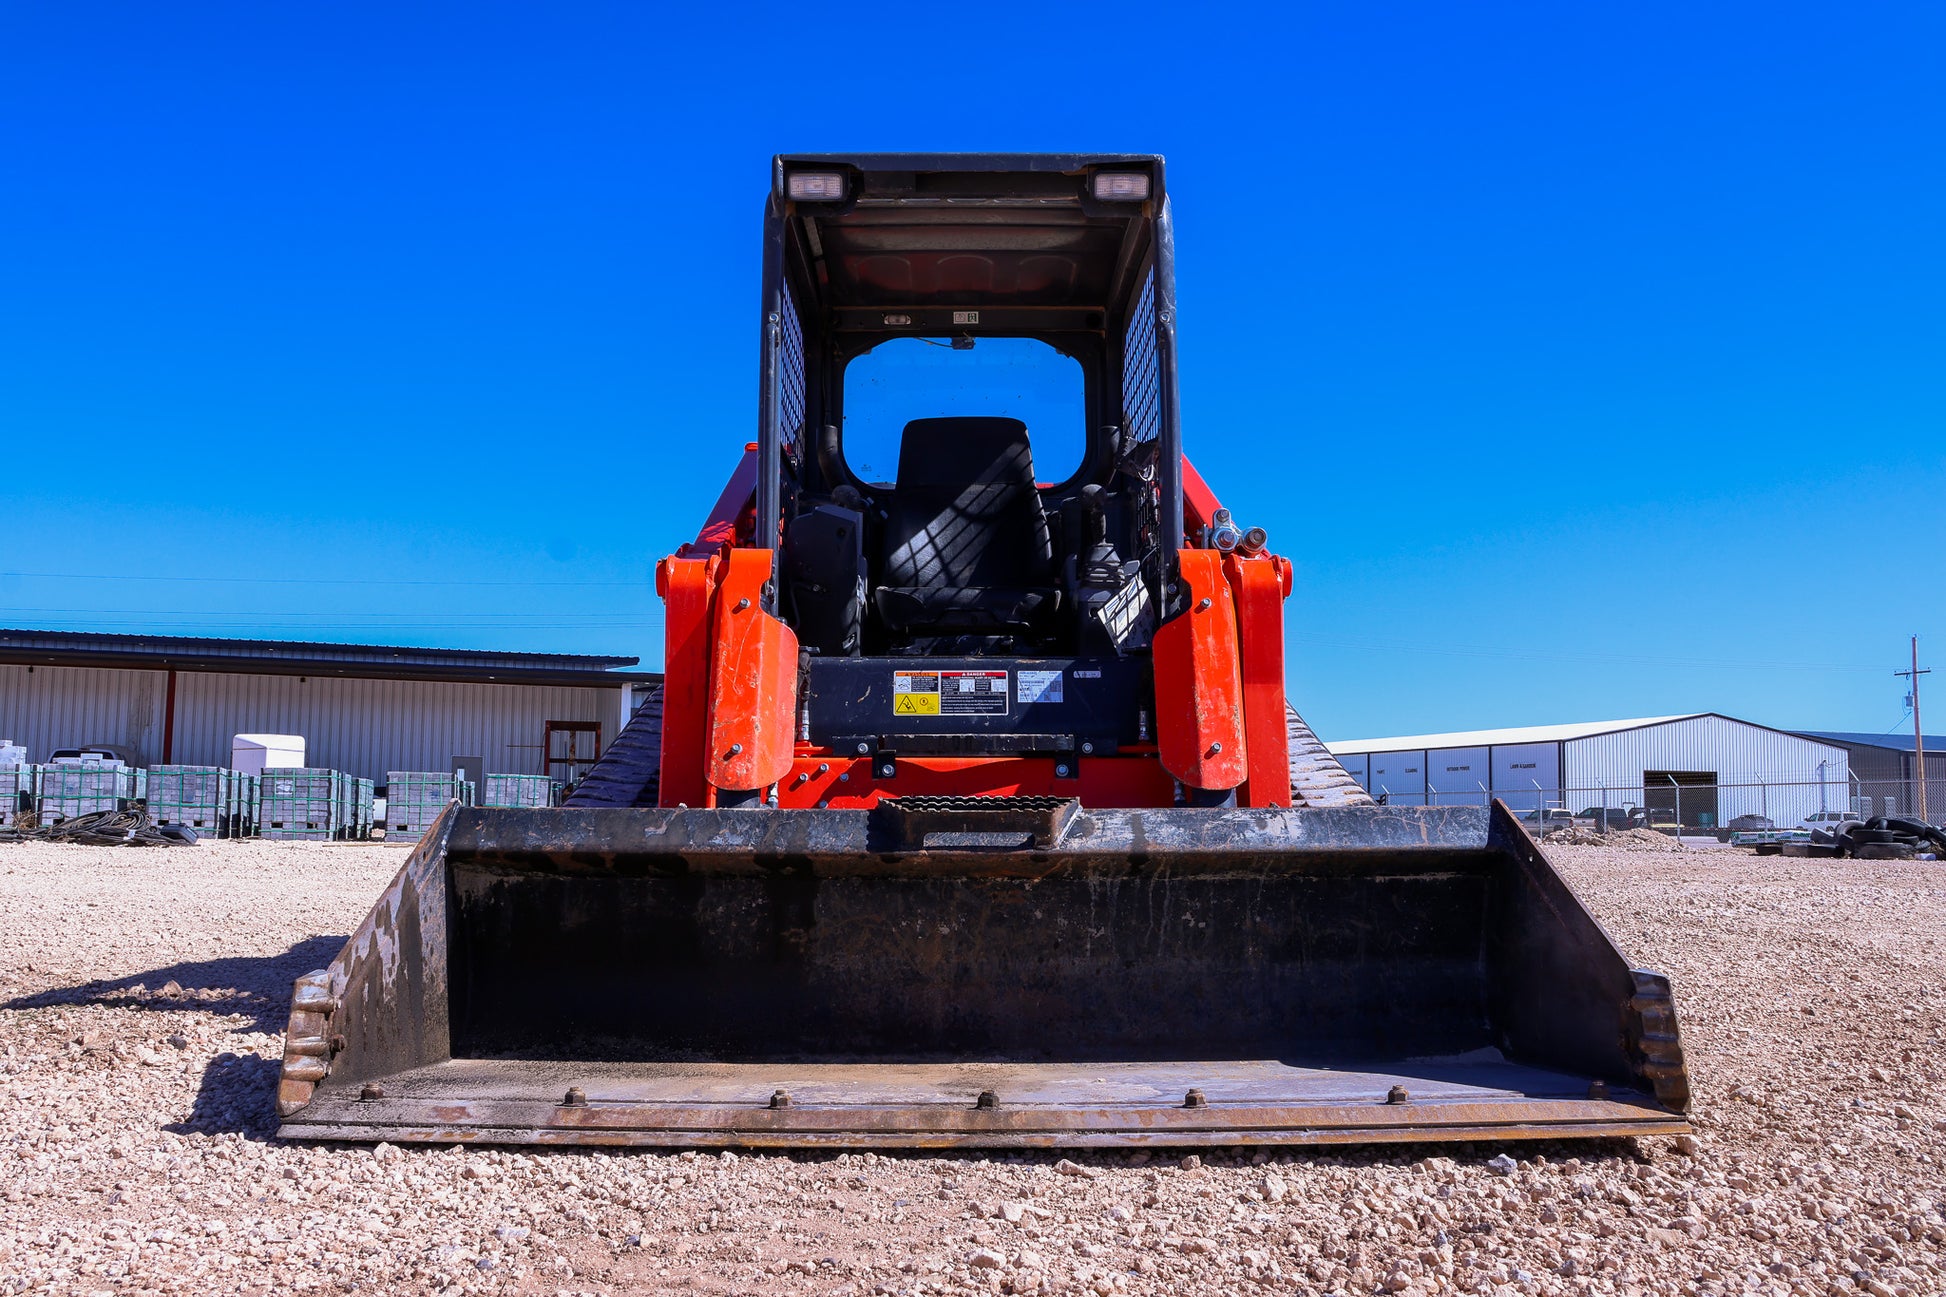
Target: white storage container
252 754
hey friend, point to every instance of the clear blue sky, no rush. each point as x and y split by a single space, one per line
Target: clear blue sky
1589 361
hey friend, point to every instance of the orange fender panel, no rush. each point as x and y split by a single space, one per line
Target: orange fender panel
1199 722
685 585
752 681
1259 587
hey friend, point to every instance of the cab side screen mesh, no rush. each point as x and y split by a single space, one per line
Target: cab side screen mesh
790 379
1141 371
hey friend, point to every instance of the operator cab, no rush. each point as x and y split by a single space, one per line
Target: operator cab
968 404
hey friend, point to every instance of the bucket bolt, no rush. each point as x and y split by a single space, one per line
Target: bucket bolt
1203 605
576 1096
987 1099
371 1092
736 749
742 604
1195 1099
780 1099
1398 1094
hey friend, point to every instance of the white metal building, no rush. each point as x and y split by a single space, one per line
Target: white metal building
1704 768
362 709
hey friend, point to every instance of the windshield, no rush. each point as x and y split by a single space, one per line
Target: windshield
924 378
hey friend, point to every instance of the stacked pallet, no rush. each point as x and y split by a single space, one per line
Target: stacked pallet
309 802
209 799
70 786
357 812
415 798
16 780
520 790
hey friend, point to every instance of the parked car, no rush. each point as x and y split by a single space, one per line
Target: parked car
1745 824
1828 821
1662 819
1610 819
93 752
1546 820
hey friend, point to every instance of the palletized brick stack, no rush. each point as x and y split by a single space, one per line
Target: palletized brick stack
209 799
16 778
414 799
520 790
302 802
240 794
189 797
77 786
357 811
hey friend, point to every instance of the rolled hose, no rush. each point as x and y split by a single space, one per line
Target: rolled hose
102 829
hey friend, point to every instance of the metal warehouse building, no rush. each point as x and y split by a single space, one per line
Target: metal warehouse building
1703 769
1884 772
362 709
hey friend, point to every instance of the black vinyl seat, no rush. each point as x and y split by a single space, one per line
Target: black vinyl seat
966 547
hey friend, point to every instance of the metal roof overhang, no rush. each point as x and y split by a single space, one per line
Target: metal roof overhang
298 665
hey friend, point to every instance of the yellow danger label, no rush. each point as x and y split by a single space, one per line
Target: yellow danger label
915 704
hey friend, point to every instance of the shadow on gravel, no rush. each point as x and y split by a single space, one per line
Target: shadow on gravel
238 1096
257 987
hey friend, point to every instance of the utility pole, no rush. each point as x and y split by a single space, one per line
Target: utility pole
1918 734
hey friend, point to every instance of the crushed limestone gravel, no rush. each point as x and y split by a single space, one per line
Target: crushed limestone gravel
141 997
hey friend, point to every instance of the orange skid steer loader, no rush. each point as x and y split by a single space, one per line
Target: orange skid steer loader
972 812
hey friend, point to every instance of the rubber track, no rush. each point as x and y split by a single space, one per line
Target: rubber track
1316 777
630 772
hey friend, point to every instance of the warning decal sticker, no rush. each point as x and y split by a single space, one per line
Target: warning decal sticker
973 693
1040 686
915 693
949 693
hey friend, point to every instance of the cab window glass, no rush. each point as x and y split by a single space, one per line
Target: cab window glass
903 379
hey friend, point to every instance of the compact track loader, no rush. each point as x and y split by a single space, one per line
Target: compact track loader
972 811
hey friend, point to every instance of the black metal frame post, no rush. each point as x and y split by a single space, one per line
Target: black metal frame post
1169 449
769 446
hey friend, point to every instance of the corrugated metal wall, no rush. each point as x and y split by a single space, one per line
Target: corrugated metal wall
1457 776
1399 777
1527 776
363 727
44 708
1737 753
367 727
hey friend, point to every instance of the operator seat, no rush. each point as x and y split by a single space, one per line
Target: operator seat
965 547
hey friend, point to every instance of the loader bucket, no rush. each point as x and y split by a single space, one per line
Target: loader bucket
1021 973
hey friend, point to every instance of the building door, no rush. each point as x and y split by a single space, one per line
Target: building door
1680 797
571 747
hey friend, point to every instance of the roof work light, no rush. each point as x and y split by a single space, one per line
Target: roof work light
1122 186
816 186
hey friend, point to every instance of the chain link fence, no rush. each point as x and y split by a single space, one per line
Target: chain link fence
1712 809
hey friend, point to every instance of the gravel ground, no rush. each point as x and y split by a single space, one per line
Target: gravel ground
142 993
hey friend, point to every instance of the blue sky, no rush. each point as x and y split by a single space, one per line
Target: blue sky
1589 363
